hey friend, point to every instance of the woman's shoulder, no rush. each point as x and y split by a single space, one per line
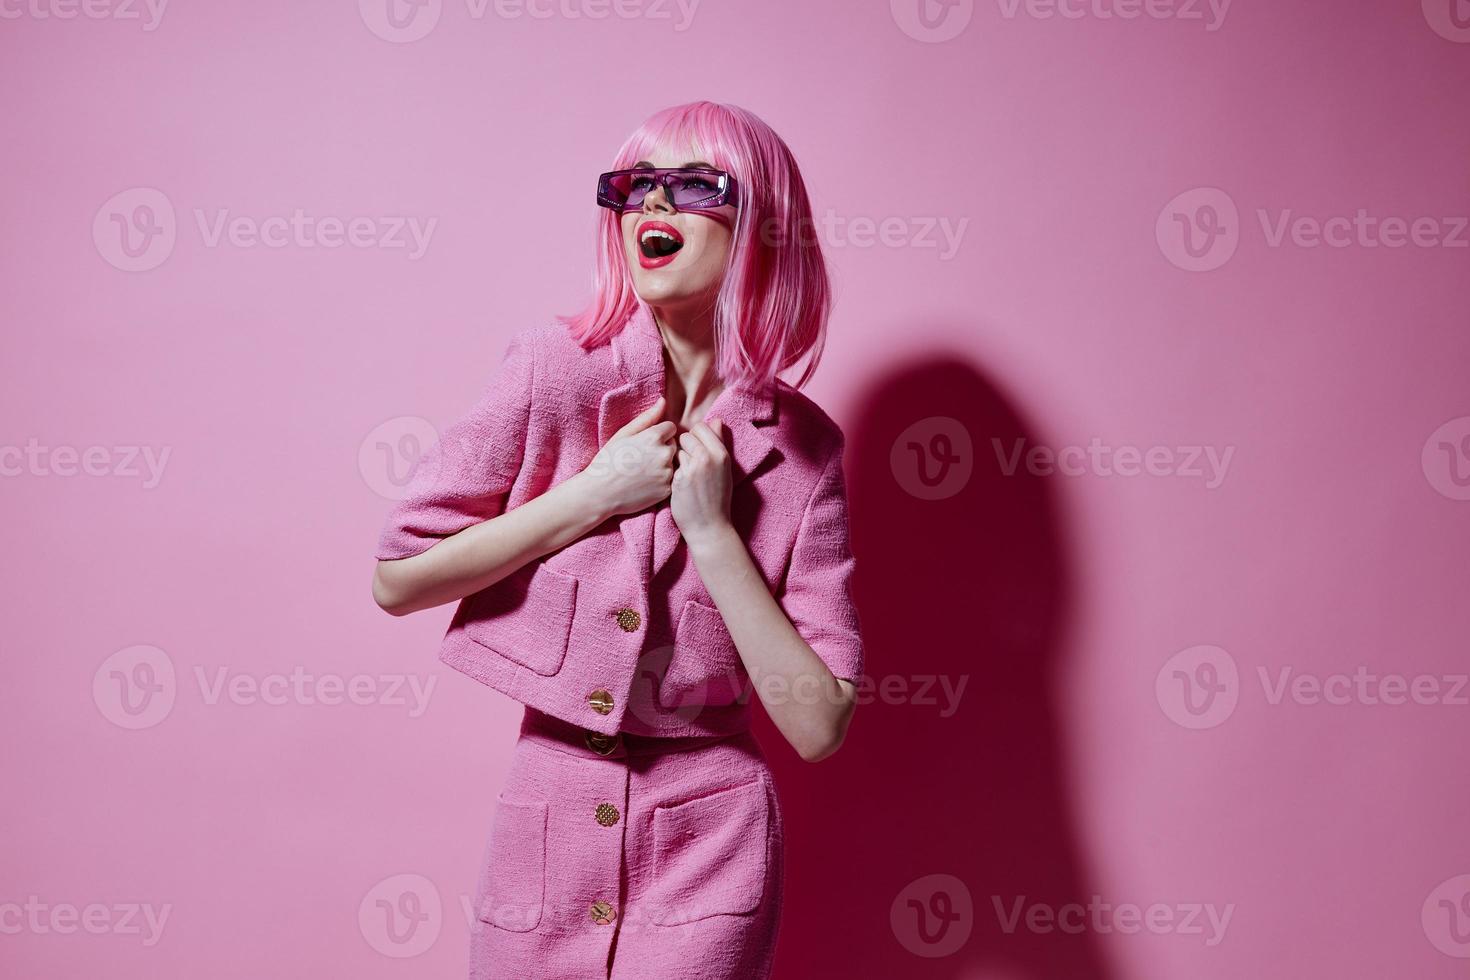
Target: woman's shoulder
806 426
551 338
556 353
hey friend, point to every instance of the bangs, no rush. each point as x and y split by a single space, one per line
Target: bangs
682 135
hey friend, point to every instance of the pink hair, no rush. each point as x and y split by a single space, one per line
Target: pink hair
775 299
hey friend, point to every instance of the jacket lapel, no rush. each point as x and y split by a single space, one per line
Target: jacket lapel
745 410
638 352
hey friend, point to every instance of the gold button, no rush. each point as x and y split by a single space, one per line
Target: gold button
600 743
602 913
601 701
607 814
628 619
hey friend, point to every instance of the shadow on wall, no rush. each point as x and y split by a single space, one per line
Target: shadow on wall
971 588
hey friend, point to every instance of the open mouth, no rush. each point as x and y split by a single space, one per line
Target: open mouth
657 240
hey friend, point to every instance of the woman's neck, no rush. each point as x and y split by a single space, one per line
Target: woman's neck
691 382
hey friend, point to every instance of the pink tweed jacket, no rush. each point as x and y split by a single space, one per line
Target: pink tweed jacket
616 632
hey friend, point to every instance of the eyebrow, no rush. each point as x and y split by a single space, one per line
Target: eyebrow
693 164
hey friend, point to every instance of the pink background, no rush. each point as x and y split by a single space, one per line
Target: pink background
1073 605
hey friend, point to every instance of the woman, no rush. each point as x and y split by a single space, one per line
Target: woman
644 525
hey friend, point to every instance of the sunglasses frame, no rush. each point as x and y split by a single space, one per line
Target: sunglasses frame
726 193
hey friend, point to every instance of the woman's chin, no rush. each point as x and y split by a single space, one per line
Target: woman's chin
656 289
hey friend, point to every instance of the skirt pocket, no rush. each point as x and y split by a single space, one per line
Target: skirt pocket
709 855
513 875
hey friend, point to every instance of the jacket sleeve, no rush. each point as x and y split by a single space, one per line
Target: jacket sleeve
465 477
817 592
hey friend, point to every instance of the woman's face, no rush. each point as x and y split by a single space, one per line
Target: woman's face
689 276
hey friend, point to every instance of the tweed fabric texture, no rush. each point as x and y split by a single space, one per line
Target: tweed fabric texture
685 885
556 632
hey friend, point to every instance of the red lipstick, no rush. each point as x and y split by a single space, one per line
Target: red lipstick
658 244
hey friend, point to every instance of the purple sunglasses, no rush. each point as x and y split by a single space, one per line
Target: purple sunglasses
687 188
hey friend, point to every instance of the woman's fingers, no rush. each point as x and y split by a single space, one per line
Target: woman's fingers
690 443
711 439
659 432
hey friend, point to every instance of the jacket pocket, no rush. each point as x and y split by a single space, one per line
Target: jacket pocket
513 874
705 668
709 855
526 617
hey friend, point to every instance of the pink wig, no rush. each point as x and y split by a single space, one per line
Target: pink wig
775 298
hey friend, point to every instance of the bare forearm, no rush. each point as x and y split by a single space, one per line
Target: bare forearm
631 471
485 553
808 704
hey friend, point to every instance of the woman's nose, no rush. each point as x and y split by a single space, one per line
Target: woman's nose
657 200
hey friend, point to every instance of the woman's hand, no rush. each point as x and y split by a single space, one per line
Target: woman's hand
635 468
700 498
631 472
811 707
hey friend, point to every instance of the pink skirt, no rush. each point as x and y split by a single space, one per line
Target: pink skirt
630 858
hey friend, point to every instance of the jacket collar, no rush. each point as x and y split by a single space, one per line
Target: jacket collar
746 409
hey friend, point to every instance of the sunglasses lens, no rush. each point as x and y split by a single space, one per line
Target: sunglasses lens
613 189
627 190
692 188
687 188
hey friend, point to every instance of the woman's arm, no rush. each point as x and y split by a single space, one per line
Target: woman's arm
631 472
809 705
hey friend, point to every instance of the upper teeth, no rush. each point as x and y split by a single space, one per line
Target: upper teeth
650 232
